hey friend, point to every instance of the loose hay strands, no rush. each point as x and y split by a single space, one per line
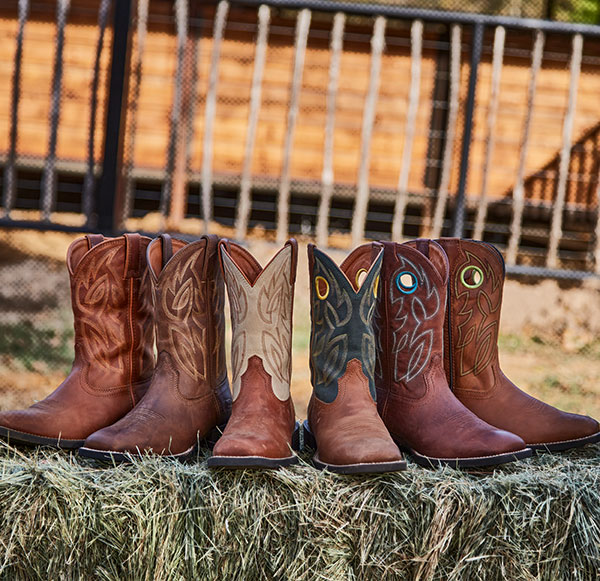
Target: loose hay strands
157 519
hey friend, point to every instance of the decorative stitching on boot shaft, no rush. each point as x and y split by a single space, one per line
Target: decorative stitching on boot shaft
412 338
342 324
261 316
478 304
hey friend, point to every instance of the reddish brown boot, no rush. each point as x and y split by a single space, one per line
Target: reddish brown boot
189 394
114 338
413 396
472 365
343 424
260 431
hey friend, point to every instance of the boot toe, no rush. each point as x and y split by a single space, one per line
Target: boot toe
363 451
503 442
105 440
248 446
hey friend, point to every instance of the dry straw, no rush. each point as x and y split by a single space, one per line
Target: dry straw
154 519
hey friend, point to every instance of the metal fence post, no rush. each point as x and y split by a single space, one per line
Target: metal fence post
458 226
109 193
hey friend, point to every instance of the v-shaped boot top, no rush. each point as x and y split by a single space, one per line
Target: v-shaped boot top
163 249
250 269
352 273
261 301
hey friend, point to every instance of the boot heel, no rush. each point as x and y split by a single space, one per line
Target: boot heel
296 444
309 440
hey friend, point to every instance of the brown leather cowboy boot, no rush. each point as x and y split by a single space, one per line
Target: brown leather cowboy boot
189 394
475 295
114 334
413 396
343 424
259 433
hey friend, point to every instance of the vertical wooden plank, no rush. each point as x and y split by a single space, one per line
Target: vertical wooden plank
210 112
490 135
49 172
597 230
362 194
184 141
9 193
565 153
283 202
89 182
416 38
243 213
518 191
141 33
440 205
181 20
327 179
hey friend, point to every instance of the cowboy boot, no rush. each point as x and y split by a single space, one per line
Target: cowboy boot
114 357
189 395
413 397
343 425
472 366
259 433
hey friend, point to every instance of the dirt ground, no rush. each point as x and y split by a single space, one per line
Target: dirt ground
550 343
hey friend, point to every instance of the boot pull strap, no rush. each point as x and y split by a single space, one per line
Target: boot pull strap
94 239
167 248
133 256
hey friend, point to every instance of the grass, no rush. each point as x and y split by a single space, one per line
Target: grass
156 519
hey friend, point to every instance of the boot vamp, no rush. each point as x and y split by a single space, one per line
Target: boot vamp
70 412
438 425
164 422
258 430
349 430
261 424
509 408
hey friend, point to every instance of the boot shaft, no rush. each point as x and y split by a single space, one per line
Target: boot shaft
261 302
112 308
410 315
475 285
189 309
343 301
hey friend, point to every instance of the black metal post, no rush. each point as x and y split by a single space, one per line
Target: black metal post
459 210
110 181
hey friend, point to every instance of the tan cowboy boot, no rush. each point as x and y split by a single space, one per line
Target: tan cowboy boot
472 365
260 431
114 338
189 394
343 424
413 397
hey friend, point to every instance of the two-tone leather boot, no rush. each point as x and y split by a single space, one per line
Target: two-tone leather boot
413 396
343 425
189 395
260 431
114 337
475 296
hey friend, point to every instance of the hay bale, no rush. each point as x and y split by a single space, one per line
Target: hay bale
155 519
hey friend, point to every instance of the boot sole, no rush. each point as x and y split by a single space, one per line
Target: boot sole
566 444
359 468
242 462
471 462
27 439
120 457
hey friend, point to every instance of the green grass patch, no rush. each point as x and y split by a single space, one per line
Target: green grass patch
155 519
36 347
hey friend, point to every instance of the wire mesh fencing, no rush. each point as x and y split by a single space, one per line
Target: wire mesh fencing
332 122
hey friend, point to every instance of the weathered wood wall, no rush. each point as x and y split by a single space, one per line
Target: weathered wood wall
235 74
